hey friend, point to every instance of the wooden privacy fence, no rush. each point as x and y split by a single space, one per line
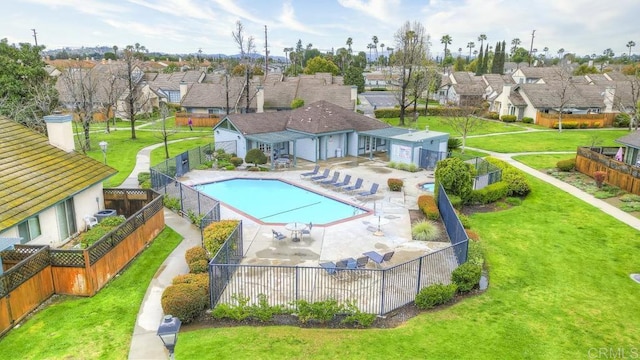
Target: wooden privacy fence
586 120
35 273
619 174
199 120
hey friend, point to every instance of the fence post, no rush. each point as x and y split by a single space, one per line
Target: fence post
419 275
297 283
181 202
382 292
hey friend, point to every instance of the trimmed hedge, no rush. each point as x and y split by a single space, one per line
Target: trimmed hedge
436 294
185 301
195 253
427 204
198 266
490 193
527 120
567 125
566 165
508 118
236 161
433 111
516 180
395 184
466 276
217 233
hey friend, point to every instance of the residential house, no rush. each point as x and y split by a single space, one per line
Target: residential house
461 88
47 187
168 85
217 93
320 131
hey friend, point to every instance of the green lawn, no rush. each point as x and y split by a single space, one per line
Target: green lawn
543 161
567 140
158 155
437 123
99 327
559 286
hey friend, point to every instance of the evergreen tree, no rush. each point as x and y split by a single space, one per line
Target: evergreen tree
480 60
494 63
503 57
485 61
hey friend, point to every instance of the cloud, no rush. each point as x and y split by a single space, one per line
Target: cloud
181 8
231 7
93 7
378 9
288 20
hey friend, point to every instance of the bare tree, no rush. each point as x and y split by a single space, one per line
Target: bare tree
112 87
411 45
165 133
628 99
563 90
464 119
79 86
247 47
136 96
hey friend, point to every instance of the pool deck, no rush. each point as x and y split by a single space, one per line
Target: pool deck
343 239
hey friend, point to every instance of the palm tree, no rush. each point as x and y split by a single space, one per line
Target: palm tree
375 45
370 46
482 38
446 40
630 44
470 45
459 52
115 50
381 47
546 51
560 52
390 50
349 43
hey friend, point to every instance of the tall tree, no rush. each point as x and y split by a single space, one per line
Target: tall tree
349 43
464 119
246 46
322 65
485 60
480 61
381 50
374 39
137 97
470 46
79 88
630 44
482 38
446 40
411 44
354 76
560 53
515 43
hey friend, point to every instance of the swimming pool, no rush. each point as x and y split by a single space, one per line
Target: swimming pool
275 201
428 187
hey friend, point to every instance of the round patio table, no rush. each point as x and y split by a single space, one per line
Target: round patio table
296 228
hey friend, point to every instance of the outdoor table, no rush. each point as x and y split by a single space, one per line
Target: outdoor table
296 228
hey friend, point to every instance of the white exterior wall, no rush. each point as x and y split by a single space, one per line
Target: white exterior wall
85 203
199 111
503 99
518 76
222 135
352 144
333 143
402 153
306 149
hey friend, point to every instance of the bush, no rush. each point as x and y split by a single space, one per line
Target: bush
508 118
456 201
517 183
436 294
621 120
490 193
195 253
201 280
566 165
425 231
599 177
256 157
143 176
464 220
566 125
427 204
476 253
97 232
236 161
321 311
172 203
493 115
395 184
527 120
513 201
456 177
184 301
296 103
198 266
216 233
453 143
466 276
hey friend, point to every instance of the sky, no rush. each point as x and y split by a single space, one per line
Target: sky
582 27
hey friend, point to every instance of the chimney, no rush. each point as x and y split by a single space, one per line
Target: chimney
609 97
260 99
354 97
184 87
60 131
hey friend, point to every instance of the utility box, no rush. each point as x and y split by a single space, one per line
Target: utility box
100 215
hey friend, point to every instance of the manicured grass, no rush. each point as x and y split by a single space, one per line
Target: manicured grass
559 287
543 161
567 140
99 327
437 123
122 150
158 154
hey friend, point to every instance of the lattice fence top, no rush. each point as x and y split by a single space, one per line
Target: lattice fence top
23 271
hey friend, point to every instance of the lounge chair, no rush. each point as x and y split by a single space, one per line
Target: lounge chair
362 262
344 182
278 235
324 175
354 187
334 179
329 267
91 221
373 190
379 258
307 231
311 173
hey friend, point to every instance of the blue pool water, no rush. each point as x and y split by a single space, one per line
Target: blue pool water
275 201
428 187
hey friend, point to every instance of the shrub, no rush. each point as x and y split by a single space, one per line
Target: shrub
436 294
112 221
513 201
392 164
236 161
508 118
195 253
490 193
264 312
229 167
256 157
453 143
185 301
566 125
466 276
194 217
456 176
583 125
476 253
566 165
427 204
171 202
464 220
621 120
238 312
517 183
143 176
198 266
97 232
296 103
201 280
527 120
596 124
321 311
395 184
599 177
493 115
425 231
456 201
216 233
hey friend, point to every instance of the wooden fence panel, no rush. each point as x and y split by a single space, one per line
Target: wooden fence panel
591 120
625 181
72 281
30 294
5 315
199 120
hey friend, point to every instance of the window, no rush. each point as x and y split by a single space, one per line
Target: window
29 229
65 215
266 148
